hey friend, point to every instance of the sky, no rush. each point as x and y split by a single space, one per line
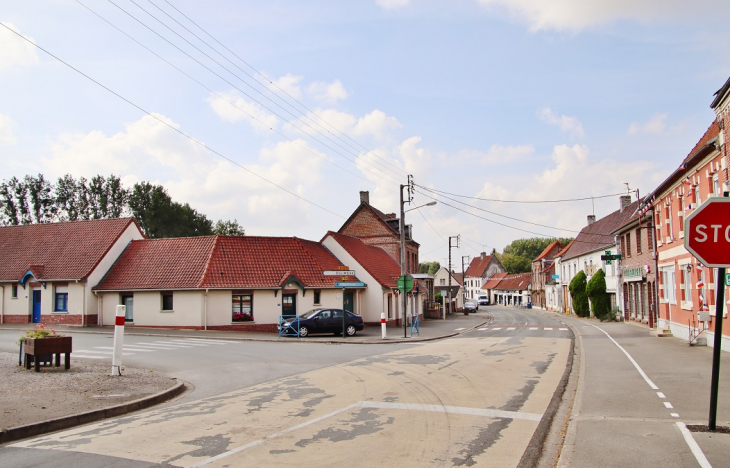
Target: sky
278 113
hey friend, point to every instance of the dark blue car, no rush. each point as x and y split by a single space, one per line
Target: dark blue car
322 320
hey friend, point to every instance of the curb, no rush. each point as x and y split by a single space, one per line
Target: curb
44 427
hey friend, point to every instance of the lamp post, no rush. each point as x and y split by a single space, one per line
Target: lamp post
403 251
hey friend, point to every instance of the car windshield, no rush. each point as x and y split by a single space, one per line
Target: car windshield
310 314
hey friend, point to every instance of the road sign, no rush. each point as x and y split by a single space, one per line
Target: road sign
707 233
339 273
727 279
350 284
608 257
405 283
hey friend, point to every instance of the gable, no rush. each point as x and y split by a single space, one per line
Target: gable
364 222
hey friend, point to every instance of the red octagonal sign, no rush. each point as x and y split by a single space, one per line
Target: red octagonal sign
707 233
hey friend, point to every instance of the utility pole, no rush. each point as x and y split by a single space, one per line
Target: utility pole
457 246
463 272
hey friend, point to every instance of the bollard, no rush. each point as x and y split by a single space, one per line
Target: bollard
118 339
382 325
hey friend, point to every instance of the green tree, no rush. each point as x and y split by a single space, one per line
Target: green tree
430 268
9 208
228 228
515 263
67 198
532 247
41 199
600 299
159 216
578 293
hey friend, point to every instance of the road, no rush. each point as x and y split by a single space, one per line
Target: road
475 399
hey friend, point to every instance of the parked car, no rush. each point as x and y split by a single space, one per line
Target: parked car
483 300
470 306
322 320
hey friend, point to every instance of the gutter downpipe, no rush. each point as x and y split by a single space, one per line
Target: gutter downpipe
99 309
83 308
2 305
205 310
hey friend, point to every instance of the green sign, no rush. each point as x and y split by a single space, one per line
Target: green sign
727 279
405 283
634 271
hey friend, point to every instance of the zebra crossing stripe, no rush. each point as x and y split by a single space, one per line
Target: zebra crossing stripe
213 342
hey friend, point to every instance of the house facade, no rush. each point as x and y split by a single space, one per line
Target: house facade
48 271
513 290
543 269
480 270
685 286
557 295
594 241
217 282
441 284
380 272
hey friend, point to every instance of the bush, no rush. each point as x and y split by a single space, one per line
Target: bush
600 300
578 293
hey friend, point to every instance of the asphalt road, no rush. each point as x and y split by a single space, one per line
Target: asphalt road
473 400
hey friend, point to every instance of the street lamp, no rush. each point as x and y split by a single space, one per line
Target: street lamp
403 251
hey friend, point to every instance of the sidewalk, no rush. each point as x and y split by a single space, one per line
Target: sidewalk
431 329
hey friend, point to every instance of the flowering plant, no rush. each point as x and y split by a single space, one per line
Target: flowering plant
40 331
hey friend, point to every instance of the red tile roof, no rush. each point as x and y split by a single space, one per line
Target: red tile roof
548 249
494 281
520 281
565 249
57 251
376 261
598 235
477 266
221 262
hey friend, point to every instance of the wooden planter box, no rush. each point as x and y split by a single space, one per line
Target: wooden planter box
37 350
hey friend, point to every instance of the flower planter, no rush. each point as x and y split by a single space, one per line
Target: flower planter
39 350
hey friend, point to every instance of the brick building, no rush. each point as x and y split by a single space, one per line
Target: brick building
543 269
480 270
376 228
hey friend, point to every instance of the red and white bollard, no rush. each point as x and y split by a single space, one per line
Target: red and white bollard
382 325
118 340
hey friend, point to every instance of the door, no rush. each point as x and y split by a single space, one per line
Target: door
128 302
289 304
349 302
36 306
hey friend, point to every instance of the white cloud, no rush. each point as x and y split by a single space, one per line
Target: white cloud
497 154
657 125
328 92
6 130
290 84
575 15
376 124
232 107
392 4
15 51
566 123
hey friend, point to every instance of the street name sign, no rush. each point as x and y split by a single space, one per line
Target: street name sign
707 233
339 273
350 284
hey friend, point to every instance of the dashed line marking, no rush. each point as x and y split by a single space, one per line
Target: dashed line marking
668 405
547 328
511 328
660 395
674 415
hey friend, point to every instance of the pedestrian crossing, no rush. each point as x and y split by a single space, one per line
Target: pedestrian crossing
528 328
106 352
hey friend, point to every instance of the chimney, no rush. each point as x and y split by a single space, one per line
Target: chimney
483 255
625 201
365 197
591 219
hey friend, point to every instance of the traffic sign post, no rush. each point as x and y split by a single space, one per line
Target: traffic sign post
405 284
707 237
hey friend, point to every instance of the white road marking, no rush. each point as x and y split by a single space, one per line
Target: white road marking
160 346
497 328
674 415
660 395
88 357
213 342
511 328
127 348
101 352
489 413
484 329
181 342
696 450
563 329
175 345
547 328
457 329
533 328
668 405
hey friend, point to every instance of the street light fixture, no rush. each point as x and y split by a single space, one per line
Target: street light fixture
403 251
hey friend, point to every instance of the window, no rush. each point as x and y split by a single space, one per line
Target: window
317 296
442 282
638 241
243 306
668 220
166 300
716 186
698 198
15 291
61 299
686 285
668 288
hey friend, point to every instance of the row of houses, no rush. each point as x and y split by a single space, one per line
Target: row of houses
79 272
656 281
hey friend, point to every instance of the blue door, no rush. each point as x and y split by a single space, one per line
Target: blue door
36 306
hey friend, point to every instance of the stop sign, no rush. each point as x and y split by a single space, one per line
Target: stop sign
707 233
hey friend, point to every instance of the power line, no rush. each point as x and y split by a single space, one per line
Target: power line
203 145
519 201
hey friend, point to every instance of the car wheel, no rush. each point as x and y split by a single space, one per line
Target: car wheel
303 331
351 330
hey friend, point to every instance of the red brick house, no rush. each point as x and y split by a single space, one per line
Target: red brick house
480 270
378 229
47 271
221 282
543 269
380 271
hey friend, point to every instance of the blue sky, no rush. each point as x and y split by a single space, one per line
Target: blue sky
497 99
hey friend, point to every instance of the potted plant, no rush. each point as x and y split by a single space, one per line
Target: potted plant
41 343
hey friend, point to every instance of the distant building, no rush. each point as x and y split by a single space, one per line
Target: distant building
480 270
543 269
